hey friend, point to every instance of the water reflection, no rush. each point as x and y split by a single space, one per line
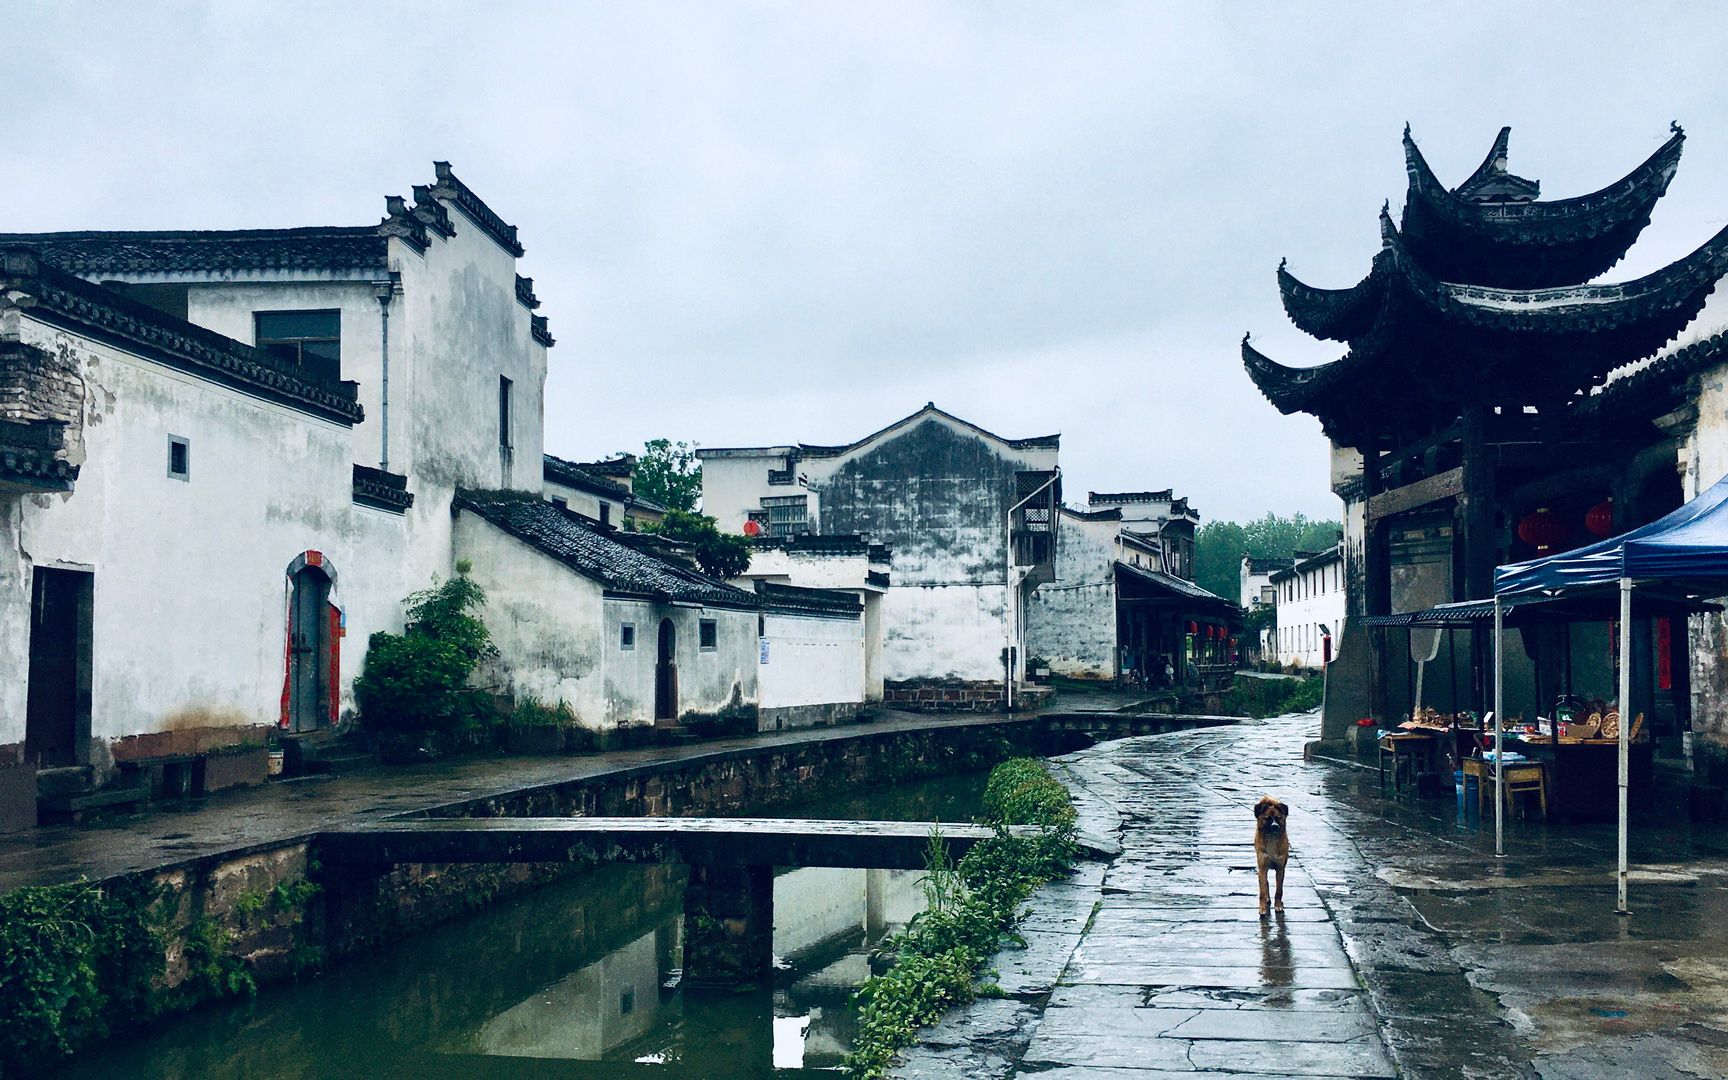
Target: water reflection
580 979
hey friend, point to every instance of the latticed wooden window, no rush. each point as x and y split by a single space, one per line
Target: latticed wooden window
788 515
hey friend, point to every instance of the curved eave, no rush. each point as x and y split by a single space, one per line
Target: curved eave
1289 389
1668 298
1333 314
1531 244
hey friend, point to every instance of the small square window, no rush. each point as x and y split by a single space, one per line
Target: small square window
561 503
707 635
627 638
179 457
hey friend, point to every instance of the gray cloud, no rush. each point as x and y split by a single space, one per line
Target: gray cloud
771 222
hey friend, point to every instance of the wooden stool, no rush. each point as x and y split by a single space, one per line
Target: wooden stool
1523 777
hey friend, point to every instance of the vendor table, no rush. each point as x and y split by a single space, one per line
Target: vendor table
1412 752
1583 776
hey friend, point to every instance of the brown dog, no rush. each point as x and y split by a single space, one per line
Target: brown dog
1271 847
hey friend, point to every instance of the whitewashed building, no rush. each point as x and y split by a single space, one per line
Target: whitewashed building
1123 603
1311 598
969 515
849 565
226 457
600 491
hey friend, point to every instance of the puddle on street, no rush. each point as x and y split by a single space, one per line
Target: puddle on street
579 979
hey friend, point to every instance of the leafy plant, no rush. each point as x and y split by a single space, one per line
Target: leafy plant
941 954
670 474
1220 545
415 683
72 959
530 711
721 555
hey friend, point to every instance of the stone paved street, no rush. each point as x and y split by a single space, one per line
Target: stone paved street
1406 948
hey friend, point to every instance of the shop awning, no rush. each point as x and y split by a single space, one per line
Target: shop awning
1685 551
1541 610
1139 583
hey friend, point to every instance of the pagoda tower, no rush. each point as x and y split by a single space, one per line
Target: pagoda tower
1472 346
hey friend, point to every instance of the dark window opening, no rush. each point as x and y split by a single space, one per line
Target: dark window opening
311 340
561 503
506 448
605 513
179 457
707 635
627 638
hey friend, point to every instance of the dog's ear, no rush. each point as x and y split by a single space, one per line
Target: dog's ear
1260 808
1284 808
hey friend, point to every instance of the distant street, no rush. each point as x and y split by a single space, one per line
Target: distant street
1406 947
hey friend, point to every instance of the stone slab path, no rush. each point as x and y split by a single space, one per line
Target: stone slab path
1406 947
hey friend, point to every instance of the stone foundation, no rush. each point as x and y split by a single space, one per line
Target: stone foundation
803 716
944 695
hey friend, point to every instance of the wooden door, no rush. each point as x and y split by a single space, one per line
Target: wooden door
308 651
666 673
57 701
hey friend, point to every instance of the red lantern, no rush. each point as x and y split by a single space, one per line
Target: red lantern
1193 628
1543 531
752 528
1599 519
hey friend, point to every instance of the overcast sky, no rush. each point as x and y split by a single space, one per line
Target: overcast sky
765 223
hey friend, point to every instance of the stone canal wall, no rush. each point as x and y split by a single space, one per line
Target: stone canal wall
267 912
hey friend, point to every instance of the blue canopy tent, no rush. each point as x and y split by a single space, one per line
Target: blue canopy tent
1682 557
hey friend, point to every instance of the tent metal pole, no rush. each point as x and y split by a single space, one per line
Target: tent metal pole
1625 728
1499 741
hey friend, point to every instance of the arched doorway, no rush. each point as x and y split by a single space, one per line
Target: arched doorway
666 673
308 697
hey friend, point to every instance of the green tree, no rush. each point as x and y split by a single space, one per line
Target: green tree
719 554
670 474
1220 545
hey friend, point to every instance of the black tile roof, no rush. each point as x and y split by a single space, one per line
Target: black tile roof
70 302
333 248
618 568
798 600
583 477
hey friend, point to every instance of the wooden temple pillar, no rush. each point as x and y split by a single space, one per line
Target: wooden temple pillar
1476 517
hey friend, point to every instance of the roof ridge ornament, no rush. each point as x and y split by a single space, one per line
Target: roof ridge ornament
1675 128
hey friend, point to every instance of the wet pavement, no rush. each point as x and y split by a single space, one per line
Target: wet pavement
1406 947
280 812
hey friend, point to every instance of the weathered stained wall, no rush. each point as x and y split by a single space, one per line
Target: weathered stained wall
935 490
1071 622
708 680
544 619
1703 461
190 575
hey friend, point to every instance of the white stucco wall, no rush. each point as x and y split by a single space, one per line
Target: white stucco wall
586 503
707 679
943 632
811 661
1071 622
545 620
190 575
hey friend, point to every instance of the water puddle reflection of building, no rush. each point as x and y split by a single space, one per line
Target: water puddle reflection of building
627 1006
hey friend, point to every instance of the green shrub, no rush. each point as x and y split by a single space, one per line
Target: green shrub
72 959
530 711
415 684
972 907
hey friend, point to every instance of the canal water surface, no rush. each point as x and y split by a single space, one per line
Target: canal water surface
579 979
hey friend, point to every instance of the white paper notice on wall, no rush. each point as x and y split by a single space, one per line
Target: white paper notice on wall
764 650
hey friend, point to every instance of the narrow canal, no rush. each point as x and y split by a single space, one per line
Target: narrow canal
579 979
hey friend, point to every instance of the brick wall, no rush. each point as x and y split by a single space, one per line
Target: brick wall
38 385
944 695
